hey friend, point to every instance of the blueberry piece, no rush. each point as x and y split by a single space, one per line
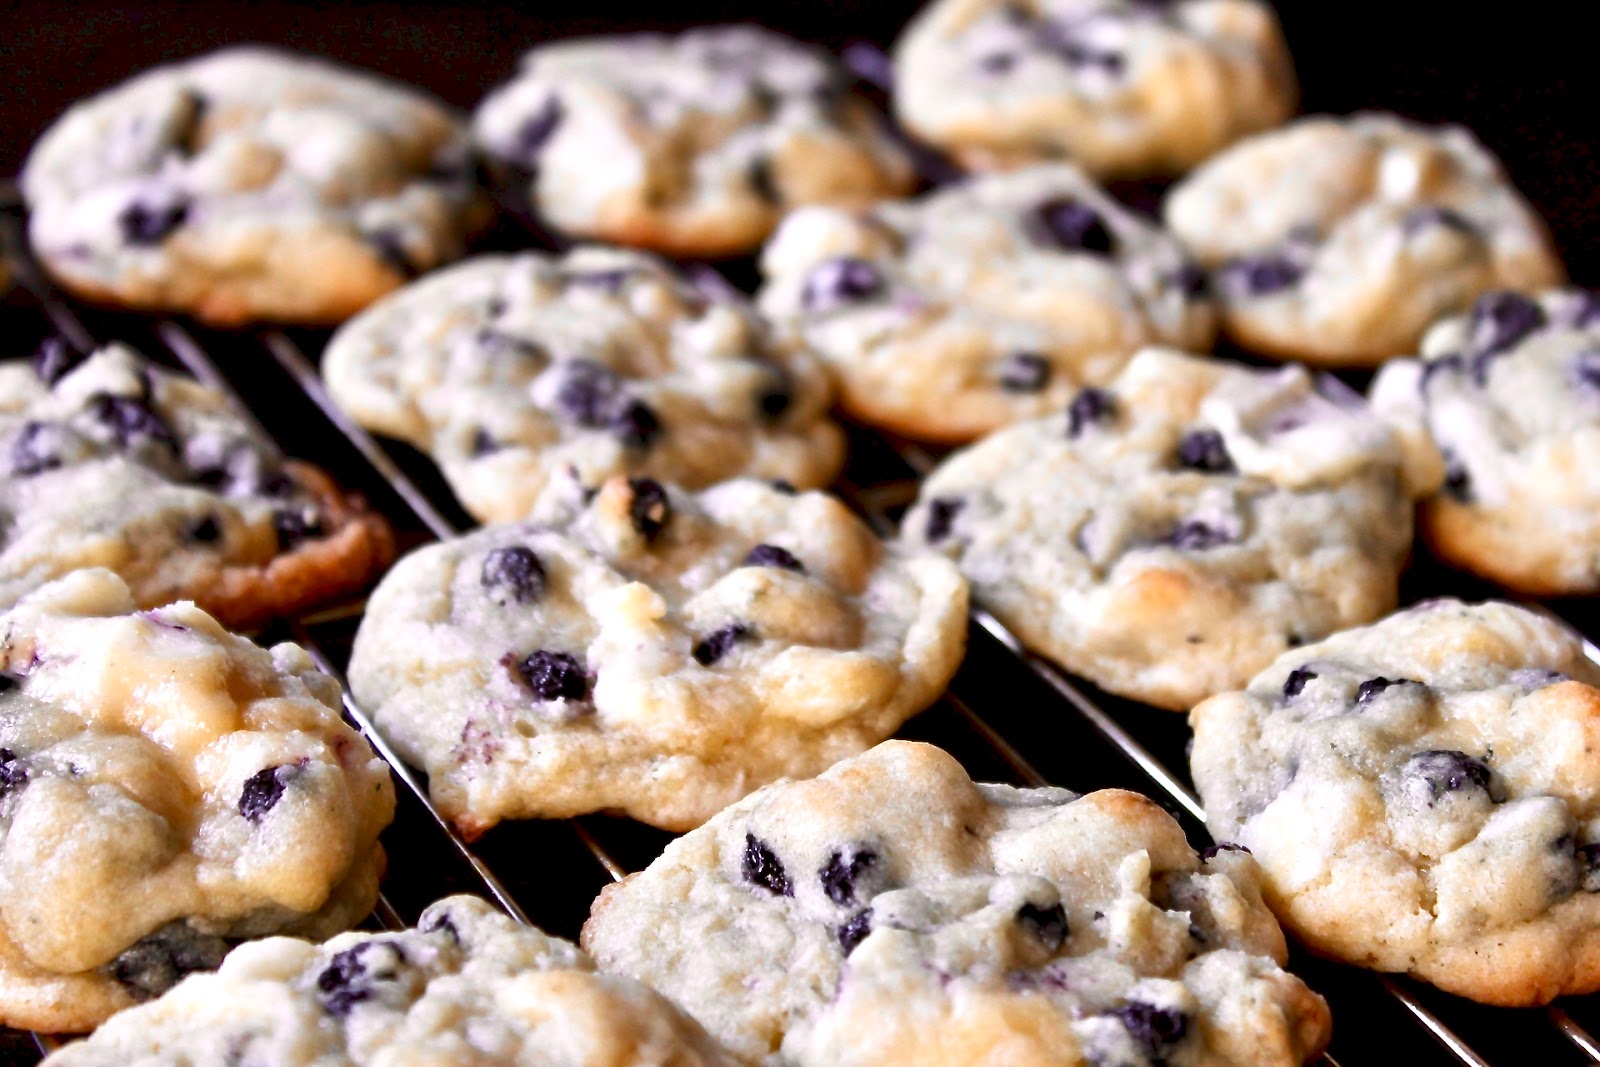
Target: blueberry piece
56 358
13 775
1263 275
1090 406
516 570
716 644
649 510
1082 55
1153 1029
1500 320
1197 535
1047 924
205 530
149 224
263 789
1191 280
441 923
1444 771
942 512
1024 372
784 486
840 874
773 556
1296 682
131 421
157 962
344 982
636 425
552 675
1430 216
840 281
588 393
1373 687
762 182
35 449
761 867
483 442
1221 846
536 132
391 249
1204 450
1457 482
296 525
854 930
777 392
1070 225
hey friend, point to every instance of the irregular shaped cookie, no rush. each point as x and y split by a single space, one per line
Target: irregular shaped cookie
984 302
166 788
508 369
1423 795
110 461
466 986
1126 88
251 184
1511 394
894 912
642 649
1169 535
693 145
1339 240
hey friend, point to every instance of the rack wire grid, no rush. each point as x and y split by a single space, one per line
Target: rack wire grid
1008 715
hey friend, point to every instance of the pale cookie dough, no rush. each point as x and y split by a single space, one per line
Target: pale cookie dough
893 912
166 789
251 184
1338 241
1168 536
641 649
467 987
982 303
1423 795
508 369
693 145
1511 395
109 461
1126 88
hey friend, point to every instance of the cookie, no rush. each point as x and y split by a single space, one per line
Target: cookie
508 369
1168 536
109 461
982 303
166 789
1125 88
251 184
894 912
1511 395
641 649
691 145
466 986
1422 796
1338 241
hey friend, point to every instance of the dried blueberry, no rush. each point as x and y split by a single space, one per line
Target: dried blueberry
157 962
762 867
35 449
1204 450
854 931
843 870
1024 372
1153 1029
773 556
296 525
1048 924
649 510
1090 406
552 675
131 421
840 281
483 442
588 393
762 182
942 512
1373 687
205 530
1500 320
1070 225
1221 846
516 570
536 132
1197 535
263 789
1263 275
1296 682
149 224
1444 771
13 775
344 982
717 644
56 358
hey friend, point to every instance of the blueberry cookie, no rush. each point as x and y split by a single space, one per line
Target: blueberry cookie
1423 795
894 912
1340 240
984 302
1511 394
251 184
693 145
508 369
638 648
109 461
1168 536
1127 88
466 986
166 788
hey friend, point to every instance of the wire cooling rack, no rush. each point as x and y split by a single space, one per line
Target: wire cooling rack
1008 715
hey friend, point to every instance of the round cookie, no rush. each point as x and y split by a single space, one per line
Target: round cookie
466 986
1169 535
166 788
982 303
508 369
251 184
1422 796
1125 88
637 648
1338 241
894 912
1511 395
109 461
692 145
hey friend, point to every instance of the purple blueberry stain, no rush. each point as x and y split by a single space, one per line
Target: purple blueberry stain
1069 225
843 871
1024 372
1205 451
649 510
515 572
1090 407
551 676
839 282
761 867
347 980
717 644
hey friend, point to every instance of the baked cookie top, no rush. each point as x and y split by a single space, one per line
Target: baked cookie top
165 788
508 369
109 461
466 986
639 648
1339 240
694 144
1511 395
251 184
1170 534
1422 795
1125 88
984 302
894 912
